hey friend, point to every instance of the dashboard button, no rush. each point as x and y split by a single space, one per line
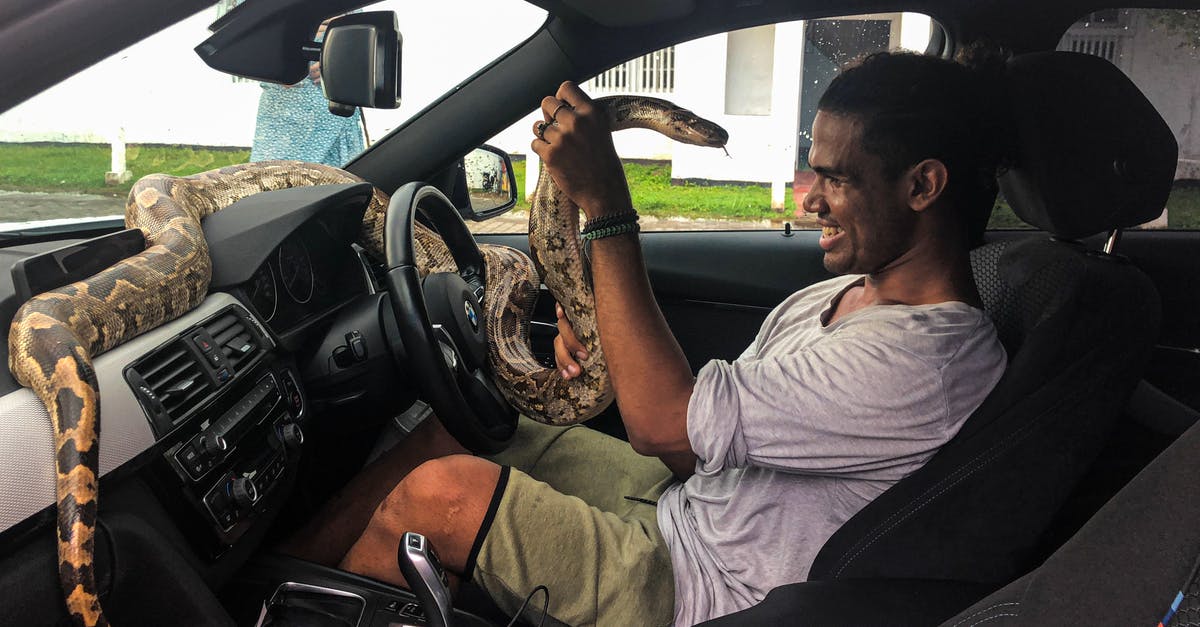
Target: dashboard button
240 344
291 435
202 343
188 455
213 444
244 492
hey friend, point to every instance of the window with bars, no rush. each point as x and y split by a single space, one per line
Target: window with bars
1099 34
1107 47
653 73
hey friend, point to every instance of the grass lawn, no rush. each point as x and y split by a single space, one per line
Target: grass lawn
654 195
80 168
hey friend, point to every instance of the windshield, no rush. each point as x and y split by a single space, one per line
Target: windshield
70 154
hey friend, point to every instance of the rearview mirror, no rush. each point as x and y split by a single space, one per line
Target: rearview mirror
491 183
360 62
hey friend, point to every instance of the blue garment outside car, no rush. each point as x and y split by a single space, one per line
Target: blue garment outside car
294 122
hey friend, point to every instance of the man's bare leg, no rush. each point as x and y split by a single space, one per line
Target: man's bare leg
327 536
444 500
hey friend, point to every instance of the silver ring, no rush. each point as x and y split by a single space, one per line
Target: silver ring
541 130
554 116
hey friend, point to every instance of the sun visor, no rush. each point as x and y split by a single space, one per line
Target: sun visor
270 40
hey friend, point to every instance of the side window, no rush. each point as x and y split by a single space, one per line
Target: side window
1159 50
762 85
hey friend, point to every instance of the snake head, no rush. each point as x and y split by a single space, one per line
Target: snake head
692 129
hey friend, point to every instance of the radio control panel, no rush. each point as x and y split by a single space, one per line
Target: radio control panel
233 455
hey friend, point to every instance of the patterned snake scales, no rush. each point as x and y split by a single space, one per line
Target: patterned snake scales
55 335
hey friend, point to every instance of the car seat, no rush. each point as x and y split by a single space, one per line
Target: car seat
1094 156
1134 563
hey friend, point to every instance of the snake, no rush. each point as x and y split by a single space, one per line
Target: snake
541 392
55 335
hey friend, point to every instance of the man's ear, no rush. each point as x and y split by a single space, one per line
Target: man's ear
926 183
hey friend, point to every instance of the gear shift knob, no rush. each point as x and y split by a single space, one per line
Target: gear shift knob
423 571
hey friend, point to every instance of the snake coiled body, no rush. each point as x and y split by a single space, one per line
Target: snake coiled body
557 257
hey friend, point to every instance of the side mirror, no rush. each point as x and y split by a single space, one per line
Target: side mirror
491 184
360 62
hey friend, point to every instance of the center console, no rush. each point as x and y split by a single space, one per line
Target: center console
227 412
282 591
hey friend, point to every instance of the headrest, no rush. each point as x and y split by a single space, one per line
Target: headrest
1093 154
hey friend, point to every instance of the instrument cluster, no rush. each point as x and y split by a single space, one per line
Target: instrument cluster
311 273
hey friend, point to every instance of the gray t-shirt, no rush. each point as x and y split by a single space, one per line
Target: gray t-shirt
809 425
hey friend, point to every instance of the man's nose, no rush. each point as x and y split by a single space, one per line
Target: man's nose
811 203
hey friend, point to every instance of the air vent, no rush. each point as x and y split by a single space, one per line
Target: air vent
175 379
190 370
235 338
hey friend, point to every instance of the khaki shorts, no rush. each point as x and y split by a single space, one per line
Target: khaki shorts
575 511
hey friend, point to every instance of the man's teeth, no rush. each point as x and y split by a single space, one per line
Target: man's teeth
830 231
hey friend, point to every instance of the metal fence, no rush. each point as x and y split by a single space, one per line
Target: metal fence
653 73
1105 46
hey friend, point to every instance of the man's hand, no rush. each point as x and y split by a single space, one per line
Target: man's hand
575 143
568 351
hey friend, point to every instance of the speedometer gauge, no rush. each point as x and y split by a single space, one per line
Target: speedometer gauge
262 292
295 268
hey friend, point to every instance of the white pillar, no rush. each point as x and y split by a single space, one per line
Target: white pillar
785 109
117 173
532 165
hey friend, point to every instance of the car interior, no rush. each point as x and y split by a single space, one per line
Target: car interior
1066 496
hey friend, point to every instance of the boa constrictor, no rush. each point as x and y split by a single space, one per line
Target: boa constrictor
540 392
55 335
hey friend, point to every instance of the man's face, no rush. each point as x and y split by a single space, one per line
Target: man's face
865 218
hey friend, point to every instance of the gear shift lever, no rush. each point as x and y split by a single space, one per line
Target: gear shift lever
423 572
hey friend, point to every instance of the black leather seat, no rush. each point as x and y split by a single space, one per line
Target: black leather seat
1126 565
1078 324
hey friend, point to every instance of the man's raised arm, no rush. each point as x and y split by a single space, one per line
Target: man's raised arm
650 375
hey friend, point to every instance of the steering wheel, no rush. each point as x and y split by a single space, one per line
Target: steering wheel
441 322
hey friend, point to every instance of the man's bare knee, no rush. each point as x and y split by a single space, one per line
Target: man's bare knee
445 499
438 483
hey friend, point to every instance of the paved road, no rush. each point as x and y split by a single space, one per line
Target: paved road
17 208
21 207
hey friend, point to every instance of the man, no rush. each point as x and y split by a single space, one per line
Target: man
737 475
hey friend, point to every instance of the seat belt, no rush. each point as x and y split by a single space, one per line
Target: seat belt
1185 608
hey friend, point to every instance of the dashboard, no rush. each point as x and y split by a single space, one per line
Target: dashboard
290 254
212 410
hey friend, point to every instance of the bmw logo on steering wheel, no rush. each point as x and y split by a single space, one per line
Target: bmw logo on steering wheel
472 317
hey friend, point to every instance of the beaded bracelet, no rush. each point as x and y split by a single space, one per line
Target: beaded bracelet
609 231
610 220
